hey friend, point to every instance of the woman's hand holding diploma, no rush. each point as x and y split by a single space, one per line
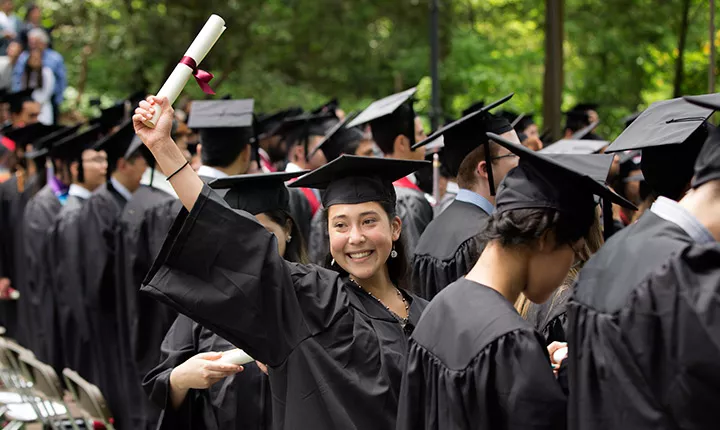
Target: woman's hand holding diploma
185 181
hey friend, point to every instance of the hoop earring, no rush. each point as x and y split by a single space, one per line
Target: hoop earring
393 253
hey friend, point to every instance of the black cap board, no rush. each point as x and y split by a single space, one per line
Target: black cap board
329 107
299 129
116 144
257 193
707 164
574 146
30 133
382 107
41 147
221 114
111 116
558 181
461 137
668 122
338 139
267 125
351 179
474 107
71 147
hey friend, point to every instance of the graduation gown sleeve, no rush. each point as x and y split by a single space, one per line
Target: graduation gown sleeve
245 287
655 363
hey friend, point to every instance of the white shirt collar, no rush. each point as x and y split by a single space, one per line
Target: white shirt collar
158 182
79 191
211 172
120 188
292 167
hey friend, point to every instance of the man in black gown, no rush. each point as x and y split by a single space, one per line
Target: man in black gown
86 168
451 245
643 333
395 129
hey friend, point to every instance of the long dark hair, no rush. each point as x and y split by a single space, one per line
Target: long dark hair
26 76
398 267
295 252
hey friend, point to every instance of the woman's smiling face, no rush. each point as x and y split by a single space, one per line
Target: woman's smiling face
361 237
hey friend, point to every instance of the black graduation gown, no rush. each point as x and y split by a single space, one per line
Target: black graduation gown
65 252
448 248
415 212
474 363
319 241
39 215
335 353
99 221
643 332
301 212
141 322
239 402
12 264
550 318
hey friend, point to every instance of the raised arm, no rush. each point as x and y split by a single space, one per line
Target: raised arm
185 182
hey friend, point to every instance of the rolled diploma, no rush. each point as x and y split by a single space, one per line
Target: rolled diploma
203 43
235 356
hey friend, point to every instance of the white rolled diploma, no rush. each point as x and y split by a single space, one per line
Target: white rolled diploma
203 43
560 354
235 356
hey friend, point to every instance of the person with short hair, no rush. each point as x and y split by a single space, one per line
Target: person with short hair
39 40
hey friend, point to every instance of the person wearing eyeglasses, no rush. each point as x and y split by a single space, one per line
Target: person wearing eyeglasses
450 245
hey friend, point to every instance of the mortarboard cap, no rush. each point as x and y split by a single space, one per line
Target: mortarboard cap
564 182
383 107
338 139
574 146
299 129
461 137
707 165
116 144
41 147
110 116
329 107
30 133
351 179
668 122
71 147
476 106
221 114
257 193
267 125
585 131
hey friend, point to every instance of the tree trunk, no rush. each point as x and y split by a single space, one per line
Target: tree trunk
682 40
553 82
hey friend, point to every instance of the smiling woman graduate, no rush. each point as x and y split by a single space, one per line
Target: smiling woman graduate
335 342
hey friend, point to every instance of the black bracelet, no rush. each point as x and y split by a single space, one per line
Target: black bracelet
177 171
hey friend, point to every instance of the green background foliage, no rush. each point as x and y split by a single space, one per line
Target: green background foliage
621 54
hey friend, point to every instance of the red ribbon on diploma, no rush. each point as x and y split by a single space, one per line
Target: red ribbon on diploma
201 76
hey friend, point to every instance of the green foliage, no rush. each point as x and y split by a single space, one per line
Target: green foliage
302 52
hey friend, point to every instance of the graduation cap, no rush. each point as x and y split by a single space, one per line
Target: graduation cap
467 133
225 126
30 133
299 129
585 131
707 165
564 182
350 179
476 106
574 146
338 140
116 144
17 99
71 147
388 119
329 107
41 147
257 193
110 116
269 124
